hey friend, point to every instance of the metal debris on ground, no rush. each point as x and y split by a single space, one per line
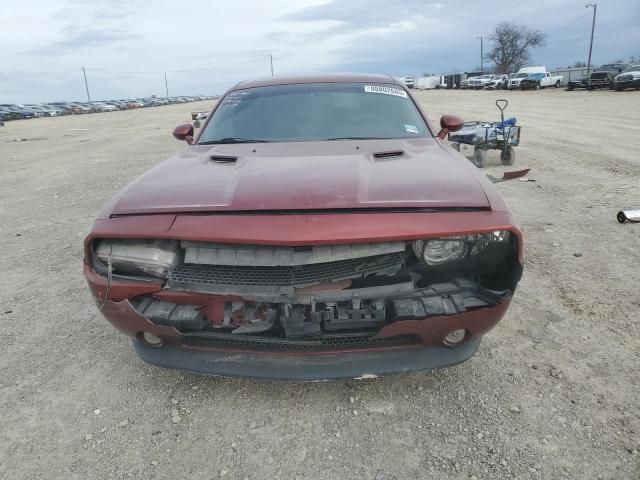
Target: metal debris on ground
26 139
511 175
631 216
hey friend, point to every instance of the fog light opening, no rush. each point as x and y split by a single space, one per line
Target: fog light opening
456 337
151 339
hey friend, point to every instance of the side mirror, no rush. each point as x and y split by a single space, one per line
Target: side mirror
184 132
449 123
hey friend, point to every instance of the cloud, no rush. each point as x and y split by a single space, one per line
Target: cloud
210 46
88 25
75 40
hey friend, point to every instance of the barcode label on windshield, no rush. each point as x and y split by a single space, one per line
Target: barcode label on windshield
385 90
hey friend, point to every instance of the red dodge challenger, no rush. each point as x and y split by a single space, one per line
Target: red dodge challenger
316 227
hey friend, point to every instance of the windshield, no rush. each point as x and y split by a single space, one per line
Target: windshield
314 112
486 76
632 68
522 75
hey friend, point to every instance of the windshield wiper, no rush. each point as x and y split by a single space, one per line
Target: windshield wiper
356 138
233 140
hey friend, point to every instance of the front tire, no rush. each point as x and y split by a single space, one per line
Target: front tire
508 156
558 84
479 157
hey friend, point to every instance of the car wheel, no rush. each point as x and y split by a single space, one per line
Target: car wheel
538 87
590 88
619 89
479 157
508 156
570 88
558 84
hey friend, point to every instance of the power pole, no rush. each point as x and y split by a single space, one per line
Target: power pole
593 26
271 59
481 54
166 85
86 85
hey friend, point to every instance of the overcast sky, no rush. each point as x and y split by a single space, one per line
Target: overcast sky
206 46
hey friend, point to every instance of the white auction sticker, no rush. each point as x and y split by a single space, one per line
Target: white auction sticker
398 92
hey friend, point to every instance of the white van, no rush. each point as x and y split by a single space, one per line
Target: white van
524 73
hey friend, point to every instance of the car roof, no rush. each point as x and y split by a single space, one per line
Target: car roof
328 78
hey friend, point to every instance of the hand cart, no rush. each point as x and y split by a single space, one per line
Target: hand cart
502 135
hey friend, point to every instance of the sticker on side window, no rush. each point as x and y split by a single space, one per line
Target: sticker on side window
398 92
411 128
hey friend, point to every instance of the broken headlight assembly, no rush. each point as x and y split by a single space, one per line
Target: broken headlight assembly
154 258
439 251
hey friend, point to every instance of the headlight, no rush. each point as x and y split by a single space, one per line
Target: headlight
138 257
438 251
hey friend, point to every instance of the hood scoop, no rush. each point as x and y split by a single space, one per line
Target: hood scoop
222 159
391 154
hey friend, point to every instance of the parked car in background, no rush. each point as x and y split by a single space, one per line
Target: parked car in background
409 81
63 107
12 111
51 111
37 112
514 83
498 82
481 81
381 250
540 80
7 113
104 107
603 76
76 108
629 78
582 82
19 111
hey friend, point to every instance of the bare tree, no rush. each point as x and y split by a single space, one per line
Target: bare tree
579 65
511 45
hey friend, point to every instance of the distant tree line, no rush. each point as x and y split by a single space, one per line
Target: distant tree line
511 46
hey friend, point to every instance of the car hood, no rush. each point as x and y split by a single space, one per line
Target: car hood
341 174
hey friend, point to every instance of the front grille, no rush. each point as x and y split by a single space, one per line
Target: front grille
276 343
208 277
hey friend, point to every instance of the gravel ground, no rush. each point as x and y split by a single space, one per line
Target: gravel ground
552 393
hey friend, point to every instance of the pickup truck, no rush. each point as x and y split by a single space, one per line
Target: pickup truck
603 76
540 80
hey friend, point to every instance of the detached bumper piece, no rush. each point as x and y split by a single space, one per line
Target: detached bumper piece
358 365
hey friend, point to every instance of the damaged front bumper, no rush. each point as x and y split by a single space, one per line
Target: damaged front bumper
414 341
357 365
314 306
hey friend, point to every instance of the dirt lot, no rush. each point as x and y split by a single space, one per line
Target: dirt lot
554 391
